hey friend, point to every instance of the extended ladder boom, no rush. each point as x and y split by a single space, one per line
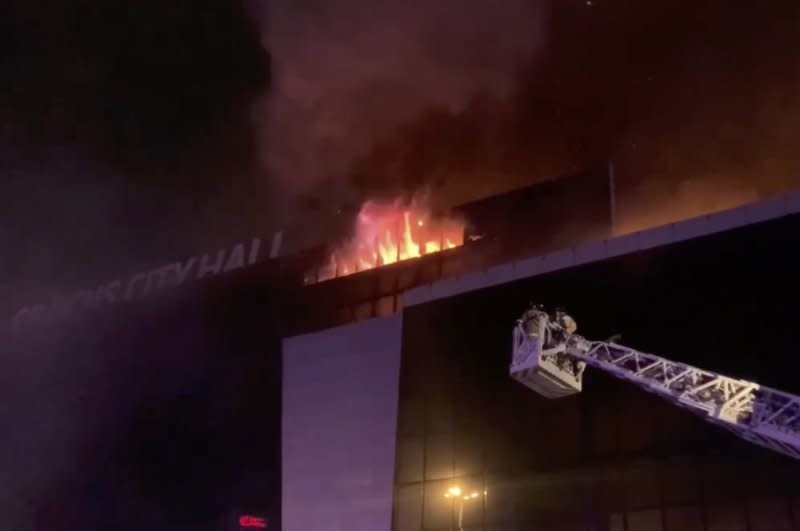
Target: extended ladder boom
550 358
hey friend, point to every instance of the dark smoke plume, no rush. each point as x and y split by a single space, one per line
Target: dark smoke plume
124 135
348 73
125 141
694 107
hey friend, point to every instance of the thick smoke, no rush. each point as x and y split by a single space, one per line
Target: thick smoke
695 110
125 132
348 73
125 136
125 141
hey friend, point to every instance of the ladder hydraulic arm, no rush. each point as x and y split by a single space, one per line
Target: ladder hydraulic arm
550 359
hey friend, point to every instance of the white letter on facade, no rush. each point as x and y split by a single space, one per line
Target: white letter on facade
134 280
183 271
277 241
207 268
236 258
111 291
255 247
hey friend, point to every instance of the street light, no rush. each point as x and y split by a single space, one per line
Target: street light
456 494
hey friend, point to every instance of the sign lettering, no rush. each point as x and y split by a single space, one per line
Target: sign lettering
148 282
252 521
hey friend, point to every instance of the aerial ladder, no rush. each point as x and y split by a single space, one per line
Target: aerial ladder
550 358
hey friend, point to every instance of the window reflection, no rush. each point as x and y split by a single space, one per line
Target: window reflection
408 508
504 502
410 459
437 510
439 457
457 502
559 466
468 456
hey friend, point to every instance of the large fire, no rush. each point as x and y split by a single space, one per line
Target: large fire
389 232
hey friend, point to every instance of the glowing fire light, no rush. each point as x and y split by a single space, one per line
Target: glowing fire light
386 233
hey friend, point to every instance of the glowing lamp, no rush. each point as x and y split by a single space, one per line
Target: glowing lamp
452 492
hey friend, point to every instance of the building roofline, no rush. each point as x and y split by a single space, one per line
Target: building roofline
597 251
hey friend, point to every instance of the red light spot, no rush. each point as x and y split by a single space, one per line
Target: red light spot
252 521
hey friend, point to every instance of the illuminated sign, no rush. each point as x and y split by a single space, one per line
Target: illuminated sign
252 521
149 282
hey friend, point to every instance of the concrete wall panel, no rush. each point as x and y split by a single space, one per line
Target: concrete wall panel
339 426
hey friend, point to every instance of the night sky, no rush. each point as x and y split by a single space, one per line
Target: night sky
139 131
126 135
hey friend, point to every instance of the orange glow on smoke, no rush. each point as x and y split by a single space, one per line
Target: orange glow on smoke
390 232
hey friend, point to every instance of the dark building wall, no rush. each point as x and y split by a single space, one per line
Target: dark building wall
613 457
157 415
537 219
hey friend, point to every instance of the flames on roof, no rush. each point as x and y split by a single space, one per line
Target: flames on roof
386 232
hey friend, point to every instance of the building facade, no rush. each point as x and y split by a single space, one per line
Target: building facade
365 402
717 292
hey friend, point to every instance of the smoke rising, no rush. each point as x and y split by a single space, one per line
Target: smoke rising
126 133
125 140
695 109
347 74
125 136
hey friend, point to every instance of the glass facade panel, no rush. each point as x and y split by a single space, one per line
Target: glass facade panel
440 414
683 519
645 521
408 508
410 459
604 432
562 446
439 457
510 502
637 419
437 509
472 515
344 315
795 507
770 514
567 523
681 483
468 455
364 311
411 417
385 306
722 483
610 458
616 522
728 517
642 486
606 488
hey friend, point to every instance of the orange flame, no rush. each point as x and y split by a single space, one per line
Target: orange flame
386 233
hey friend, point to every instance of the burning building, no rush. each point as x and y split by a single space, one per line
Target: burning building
388 232
356 385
